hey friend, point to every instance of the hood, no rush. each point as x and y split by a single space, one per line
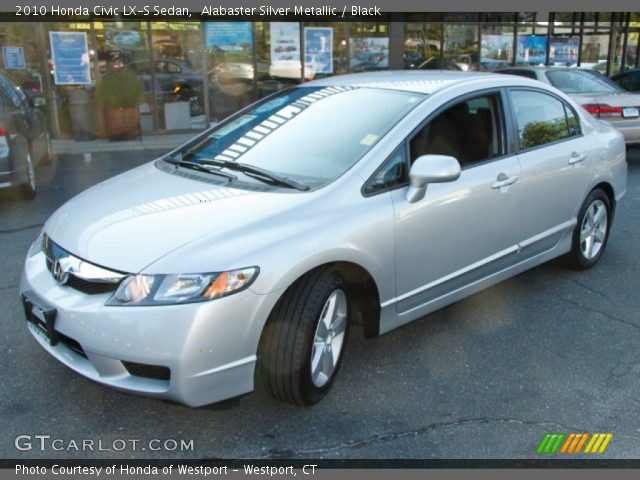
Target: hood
128 222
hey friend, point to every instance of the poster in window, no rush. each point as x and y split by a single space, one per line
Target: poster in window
564 51
532 50
229 37
70 57
318 51
496 51
369 53
13 58
285 50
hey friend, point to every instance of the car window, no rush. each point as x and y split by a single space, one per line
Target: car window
581 81
629 81
393 173
471 131
542 119
172 67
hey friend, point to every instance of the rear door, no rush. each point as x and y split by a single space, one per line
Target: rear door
556 166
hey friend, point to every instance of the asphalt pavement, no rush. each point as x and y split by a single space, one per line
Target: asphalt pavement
551 350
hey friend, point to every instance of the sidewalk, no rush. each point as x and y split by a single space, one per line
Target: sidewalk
149 142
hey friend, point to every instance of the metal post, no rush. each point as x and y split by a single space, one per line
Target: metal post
550 21
152 68
396 45
49 86
205 75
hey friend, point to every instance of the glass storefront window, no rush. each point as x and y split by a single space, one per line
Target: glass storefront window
595 48
497 47
369 47
230 68
531 48
325 49
461 46
423 46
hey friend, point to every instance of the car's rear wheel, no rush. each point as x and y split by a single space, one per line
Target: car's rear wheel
592 230
303 341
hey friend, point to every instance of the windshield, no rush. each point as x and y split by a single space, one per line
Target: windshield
312 134
577 81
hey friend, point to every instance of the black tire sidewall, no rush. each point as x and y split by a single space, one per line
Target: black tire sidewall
313 393
578 258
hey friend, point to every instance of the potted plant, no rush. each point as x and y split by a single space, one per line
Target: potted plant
121 94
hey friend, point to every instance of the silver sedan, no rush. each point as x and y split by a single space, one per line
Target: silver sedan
594 92
372 199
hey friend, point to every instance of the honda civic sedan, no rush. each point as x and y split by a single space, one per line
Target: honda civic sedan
370 199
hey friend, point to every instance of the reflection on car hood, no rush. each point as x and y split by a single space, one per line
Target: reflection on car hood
135 218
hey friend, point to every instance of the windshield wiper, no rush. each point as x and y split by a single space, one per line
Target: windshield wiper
200 168
258 173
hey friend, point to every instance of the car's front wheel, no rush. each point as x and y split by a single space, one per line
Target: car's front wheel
303 341
592 231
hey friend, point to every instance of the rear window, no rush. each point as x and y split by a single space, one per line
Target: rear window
581 81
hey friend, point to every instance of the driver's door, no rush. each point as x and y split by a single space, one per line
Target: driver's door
466 229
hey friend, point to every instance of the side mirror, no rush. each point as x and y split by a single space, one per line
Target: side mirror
430 169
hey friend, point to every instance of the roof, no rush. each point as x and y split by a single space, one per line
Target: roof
426 82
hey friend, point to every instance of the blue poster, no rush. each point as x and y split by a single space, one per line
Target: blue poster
13 58
229 36
564 51
70 56
318 51
532 50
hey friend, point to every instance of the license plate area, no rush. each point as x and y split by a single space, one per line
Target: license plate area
630 112
41 315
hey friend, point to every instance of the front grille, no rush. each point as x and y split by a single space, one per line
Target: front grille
108 280
90 288
155 372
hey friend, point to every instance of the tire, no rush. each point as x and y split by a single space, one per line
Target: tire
303 342
592 230
28 188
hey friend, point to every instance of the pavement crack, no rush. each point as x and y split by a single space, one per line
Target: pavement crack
599 312
21 229
386 437
590 289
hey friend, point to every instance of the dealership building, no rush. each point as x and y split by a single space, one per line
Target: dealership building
193 73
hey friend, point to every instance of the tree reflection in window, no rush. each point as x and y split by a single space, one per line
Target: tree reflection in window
542 119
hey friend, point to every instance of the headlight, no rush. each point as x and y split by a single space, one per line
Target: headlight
184 288
37 246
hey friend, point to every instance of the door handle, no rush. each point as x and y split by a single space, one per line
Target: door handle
504 181
577 158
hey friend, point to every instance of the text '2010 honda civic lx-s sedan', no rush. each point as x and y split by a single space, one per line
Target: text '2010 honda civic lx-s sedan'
373 198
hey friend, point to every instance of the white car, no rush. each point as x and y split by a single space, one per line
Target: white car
376 198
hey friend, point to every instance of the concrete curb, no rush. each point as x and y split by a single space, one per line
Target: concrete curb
156 142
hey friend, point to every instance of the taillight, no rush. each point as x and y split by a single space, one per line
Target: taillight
602 110
4 146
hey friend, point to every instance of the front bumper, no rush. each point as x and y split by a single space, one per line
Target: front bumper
209 347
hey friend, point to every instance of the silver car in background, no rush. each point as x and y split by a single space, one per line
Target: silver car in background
373 199
601 97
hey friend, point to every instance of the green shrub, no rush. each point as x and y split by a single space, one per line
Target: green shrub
120 88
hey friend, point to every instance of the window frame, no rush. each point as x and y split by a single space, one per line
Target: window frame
514 119
509 136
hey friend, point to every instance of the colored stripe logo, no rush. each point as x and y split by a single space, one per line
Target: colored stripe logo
573 443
